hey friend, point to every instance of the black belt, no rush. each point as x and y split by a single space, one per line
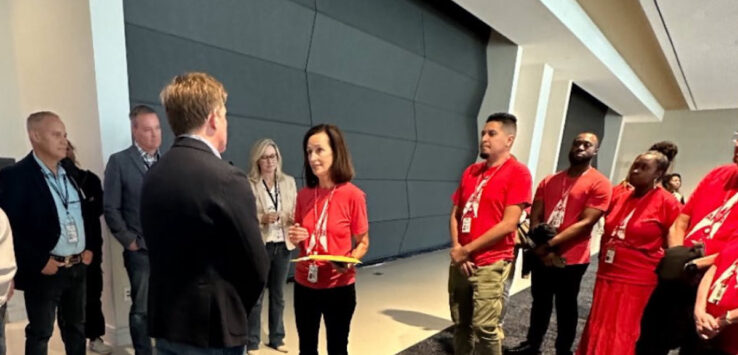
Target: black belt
68 261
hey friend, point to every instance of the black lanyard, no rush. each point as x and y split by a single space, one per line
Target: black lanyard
275 197
55 186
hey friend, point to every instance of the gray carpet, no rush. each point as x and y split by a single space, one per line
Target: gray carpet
516 321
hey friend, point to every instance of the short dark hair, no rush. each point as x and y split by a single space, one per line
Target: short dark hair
140 110
667 148
342 170
508 120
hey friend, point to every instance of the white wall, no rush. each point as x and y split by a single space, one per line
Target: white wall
703 138
50 62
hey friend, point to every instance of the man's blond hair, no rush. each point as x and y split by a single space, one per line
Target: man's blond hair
189 98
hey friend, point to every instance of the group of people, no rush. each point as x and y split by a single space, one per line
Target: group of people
666 274
202 239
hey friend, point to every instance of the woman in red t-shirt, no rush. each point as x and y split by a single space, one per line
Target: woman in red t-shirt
716 308
636 227
330 219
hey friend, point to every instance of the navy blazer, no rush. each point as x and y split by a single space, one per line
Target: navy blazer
26 198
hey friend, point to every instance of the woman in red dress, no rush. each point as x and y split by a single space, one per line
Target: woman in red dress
330 219
716 308
636 228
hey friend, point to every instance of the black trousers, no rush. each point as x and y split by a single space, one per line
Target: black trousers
95 321
336 305
559 285
668 320
63 292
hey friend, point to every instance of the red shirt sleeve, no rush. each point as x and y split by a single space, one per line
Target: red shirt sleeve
520 188
600 196
359 219
694 198
672 209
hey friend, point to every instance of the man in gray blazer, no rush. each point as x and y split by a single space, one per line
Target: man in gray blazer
124 177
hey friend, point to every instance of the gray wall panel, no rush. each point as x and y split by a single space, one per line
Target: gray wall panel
379 158
445 88
452 45
276 30
397 22
243 132
437 126
358 109
432 162
387 200
345 53
430 198
255 87
402 78
425 233
385 239
585 114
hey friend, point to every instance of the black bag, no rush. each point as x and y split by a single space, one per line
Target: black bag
672 265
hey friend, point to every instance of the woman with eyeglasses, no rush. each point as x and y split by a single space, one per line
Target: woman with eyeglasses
275 194
330 219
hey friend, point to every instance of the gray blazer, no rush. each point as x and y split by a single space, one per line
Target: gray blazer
124 176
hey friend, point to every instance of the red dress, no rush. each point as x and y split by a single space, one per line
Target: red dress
626 274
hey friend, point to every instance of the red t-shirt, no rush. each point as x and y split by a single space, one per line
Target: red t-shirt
346 217
590 190
509 185
621 189
714 189
636 256
725 273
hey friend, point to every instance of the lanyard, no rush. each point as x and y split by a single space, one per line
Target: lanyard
55 186
275 197
720 285
619 231
556 218
320 231
472 204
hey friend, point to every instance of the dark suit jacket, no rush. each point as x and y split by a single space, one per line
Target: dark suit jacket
124 176
208 263
27 200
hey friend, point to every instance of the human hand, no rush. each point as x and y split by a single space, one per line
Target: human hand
52 267
87 257
707 325
467 268
297 234
459 254
133 246
270 217
341 267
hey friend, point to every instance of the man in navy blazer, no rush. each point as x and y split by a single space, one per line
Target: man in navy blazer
45 209
124 177
208 262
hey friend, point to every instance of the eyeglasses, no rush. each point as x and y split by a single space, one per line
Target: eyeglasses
268 157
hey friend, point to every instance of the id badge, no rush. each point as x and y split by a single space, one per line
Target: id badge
610 256
466 225
312 273
71 228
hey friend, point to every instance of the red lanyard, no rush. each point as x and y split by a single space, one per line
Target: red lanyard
477 194
320 229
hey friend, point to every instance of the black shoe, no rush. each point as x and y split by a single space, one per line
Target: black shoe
523 348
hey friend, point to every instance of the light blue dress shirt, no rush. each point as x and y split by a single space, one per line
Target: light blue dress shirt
57 185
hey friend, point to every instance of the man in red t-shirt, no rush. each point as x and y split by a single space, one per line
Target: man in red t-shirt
709 219
571 201
486 208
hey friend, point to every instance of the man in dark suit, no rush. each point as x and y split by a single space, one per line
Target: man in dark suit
124 176
208 263
43 204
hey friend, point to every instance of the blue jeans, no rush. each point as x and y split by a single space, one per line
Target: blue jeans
3 308
64 294
164 347
137 266
279 264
